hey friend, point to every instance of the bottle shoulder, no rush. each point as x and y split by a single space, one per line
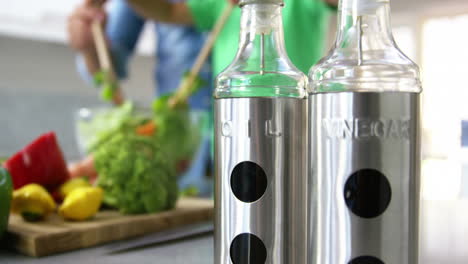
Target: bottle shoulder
241 81
372 71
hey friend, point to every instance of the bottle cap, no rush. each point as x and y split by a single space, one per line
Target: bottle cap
365 7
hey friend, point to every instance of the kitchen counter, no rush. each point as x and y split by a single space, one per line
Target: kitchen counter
444 236
197 250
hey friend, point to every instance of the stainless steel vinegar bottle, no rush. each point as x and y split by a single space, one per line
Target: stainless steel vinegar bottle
260 147
364 156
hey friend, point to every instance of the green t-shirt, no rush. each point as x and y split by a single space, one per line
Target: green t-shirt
304 30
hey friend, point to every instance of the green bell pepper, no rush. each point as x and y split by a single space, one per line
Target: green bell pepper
6 190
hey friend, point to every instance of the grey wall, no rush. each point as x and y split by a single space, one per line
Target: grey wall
40 91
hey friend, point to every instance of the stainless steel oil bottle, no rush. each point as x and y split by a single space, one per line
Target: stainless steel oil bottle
364 151
261 147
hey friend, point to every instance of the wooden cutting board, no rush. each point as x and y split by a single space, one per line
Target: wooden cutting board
55 235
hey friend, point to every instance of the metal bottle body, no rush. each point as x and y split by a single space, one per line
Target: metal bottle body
364 167
272 134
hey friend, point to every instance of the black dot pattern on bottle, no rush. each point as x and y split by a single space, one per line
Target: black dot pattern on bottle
367 193
248 181
248 249
366 260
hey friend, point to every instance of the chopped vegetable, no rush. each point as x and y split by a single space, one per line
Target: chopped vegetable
82 203
135 174
40 162
147 129
107 92
178 137
33 202
104 81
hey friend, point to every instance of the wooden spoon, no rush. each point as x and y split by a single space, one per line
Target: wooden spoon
184 90
105 61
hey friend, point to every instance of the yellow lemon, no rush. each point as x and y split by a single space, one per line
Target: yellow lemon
81 204
71 185
33 202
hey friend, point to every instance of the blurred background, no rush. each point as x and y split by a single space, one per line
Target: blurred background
40 90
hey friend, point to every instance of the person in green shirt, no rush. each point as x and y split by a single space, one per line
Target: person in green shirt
305 24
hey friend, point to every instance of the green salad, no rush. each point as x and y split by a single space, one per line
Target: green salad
137 154
135 174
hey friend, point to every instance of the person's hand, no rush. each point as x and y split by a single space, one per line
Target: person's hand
83 168
79 24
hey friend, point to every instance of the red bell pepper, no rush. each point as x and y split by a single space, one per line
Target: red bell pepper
40 162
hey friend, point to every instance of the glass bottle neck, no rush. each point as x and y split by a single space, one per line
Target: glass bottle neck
364 25
261 67
366 57
261 37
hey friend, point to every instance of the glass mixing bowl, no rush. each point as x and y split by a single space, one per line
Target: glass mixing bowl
91 123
